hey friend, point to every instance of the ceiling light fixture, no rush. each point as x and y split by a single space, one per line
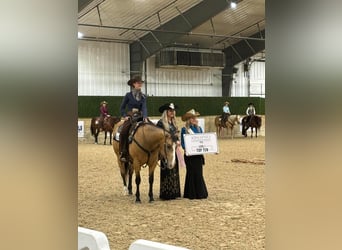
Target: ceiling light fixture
232 4
80 35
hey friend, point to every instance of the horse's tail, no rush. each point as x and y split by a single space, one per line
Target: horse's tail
258 121
92 127
244 126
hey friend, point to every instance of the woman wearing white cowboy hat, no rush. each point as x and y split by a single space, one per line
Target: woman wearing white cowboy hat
194 187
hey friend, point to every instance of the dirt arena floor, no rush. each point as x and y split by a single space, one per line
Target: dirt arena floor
233 216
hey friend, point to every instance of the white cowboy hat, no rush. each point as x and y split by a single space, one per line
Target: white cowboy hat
191 113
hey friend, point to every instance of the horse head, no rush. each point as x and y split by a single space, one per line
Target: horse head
238 119
168 151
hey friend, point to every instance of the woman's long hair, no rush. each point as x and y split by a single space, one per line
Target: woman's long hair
188 124
166 121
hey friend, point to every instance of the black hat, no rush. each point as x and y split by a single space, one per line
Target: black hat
134 80
249 104
130 82
167 106
137 79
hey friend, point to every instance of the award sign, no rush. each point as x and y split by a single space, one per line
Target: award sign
80 128
201 143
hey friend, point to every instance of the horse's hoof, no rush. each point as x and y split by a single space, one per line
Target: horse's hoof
137 201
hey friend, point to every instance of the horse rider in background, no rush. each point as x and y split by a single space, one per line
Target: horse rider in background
135 102
225 114
103 112
250 112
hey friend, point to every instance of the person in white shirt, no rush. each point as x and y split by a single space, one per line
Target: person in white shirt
250 111
225 114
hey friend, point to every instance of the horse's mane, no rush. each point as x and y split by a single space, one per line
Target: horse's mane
150 123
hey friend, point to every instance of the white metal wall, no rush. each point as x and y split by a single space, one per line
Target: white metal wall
103 68
257 80
182 81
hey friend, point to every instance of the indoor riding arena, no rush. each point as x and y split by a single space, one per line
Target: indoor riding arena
203 55
232 217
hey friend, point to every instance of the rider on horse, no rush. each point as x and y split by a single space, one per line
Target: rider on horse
225 114
135 101
250 112
103 112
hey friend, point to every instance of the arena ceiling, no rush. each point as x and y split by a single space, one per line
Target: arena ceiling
156 24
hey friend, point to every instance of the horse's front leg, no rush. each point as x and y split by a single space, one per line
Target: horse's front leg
105 137
96 135
150 180
137 182
130 174
123 176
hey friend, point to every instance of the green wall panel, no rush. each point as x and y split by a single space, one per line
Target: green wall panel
88 106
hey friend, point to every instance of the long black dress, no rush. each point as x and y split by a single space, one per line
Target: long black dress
169 178
194 187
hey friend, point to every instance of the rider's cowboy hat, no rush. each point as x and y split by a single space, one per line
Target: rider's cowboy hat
134 80
104 102
191 113
226 102
167 106
249 104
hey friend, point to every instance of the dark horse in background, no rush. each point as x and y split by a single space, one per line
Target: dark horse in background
107 126
254 122
149 144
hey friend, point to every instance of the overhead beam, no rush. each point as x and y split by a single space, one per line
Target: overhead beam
185 22
237 53
178 33
85 6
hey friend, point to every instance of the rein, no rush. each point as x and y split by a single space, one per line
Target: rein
144 149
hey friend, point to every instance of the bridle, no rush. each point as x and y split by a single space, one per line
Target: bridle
157 146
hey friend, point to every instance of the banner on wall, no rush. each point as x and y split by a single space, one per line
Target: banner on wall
80 128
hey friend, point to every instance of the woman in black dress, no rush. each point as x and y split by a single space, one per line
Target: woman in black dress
194 187
169 178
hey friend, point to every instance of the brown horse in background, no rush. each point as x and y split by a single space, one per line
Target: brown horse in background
149 143
107 126
254 122
232 120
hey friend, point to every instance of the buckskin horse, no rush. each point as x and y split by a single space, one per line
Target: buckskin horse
149 143
108 126
254 122
232 120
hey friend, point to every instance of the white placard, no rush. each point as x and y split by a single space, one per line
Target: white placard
201 143
80 128
201 123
